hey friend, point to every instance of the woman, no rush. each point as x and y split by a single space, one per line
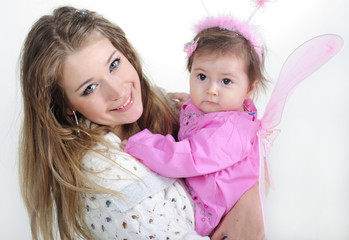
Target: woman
83 91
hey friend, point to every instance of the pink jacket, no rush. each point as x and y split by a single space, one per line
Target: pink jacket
217 153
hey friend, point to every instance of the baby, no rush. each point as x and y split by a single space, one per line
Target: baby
218 151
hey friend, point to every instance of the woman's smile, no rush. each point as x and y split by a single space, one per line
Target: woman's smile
127 105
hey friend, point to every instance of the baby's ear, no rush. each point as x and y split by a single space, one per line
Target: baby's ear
252 88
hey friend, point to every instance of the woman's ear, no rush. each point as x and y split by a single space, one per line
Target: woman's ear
64 104
69 111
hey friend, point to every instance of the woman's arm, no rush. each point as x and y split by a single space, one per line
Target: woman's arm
157 217
244 221
143 206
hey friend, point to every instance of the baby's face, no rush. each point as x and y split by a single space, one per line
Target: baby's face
219 83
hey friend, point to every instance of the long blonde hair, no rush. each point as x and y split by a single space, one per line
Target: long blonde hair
51 151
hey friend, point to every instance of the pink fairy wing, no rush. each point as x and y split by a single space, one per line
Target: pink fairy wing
305 60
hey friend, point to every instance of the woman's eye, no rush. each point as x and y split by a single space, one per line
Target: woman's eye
90 88
114 64
226 81
202 77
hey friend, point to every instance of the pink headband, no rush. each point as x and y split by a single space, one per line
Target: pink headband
229 23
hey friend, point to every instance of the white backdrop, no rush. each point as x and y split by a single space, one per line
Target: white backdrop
310 158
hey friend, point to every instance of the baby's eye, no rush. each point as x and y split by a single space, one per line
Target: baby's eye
226 81
90 88
114 64
202 77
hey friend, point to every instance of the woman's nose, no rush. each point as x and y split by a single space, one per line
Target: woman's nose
114 89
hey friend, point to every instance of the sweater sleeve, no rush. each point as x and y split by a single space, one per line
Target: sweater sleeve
211 149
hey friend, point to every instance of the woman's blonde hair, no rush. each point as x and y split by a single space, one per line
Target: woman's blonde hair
51 150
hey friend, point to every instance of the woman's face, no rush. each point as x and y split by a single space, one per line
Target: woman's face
101 84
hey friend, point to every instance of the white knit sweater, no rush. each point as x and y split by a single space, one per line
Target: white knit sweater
153 207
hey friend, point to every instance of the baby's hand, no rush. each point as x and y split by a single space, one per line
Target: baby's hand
123 144
178 98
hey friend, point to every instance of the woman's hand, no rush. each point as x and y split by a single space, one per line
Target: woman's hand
244 221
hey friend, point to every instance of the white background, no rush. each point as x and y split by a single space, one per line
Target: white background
310 159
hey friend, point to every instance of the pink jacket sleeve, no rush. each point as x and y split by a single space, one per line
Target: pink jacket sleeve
211 149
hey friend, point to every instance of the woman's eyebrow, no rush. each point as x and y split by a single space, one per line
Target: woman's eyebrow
84 83
90 79
111 56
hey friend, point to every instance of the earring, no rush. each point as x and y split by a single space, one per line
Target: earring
77 122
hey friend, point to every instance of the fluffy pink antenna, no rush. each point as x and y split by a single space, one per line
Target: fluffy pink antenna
232 24
261 3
